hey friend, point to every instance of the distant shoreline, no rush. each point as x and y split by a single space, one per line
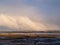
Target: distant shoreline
15 35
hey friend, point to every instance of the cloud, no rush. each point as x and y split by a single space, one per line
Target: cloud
20 23
24 23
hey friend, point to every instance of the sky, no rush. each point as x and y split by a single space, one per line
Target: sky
29 15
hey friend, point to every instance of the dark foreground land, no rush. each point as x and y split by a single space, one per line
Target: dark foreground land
29 41
29 38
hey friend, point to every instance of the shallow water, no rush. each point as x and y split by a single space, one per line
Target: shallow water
29 41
